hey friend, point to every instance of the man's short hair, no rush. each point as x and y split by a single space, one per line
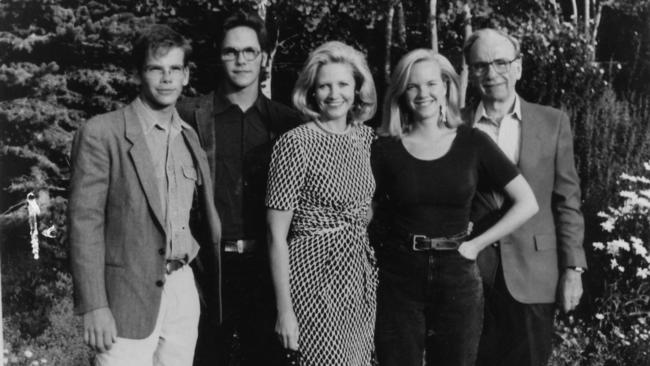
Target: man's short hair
157 40
245 19
467 47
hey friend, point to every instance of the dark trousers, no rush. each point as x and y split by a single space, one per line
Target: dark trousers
246 337
429 301
514 334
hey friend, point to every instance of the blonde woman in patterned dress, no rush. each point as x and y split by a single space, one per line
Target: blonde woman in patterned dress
318 198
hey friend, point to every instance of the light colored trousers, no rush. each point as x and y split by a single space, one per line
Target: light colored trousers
173 339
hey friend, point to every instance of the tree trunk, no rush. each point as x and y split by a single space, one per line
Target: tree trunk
265 85
464 70
401 24
389 40
574 14
587 17
433 24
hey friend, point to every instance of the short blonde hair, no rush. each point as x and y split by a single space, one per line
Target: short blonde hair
365 100
397 118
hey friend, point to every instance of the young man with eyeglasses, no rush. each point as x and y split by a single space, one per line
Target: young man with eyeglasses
237 125
540 263
139 190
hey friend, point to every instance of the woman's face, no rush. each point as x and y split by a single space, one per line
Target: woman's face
334 91
425 91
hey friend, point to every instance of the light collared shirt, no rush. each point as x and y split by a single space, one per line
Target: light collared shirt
176 178
506 133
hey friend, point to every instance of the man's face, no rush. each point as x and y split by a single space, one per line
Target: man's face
242 57
163 77
493 68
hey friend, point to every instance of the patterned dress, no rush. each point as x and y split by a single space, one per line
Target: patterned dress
326 179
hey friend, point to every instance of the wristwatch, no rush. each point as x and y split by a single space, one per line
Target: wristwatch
577 269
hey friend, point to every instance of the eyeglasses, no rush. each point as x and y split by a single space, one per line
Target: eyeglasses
159 72
501 66
231 54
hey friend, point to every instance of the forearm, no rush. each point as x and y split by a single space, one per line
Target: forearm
523 208
278 229
279 257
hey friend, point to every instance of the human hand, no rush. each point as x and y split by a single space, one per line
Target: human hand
468 250
569 290
286 327
100 331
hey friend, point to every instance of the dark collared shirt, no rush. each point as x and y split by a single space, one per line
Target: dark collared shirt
176 178
242 156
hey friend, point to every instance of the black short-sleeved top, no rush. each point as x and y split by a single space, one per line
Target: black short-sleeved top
433 197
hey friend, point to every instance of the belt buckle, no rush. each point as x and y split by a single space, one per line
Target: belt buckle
416 239
239 245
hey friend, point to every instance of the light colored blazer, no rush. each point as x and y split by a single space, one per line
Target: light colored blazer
116 226
533 255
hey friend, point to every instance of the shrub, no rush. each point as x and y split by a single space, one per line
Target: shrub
616 331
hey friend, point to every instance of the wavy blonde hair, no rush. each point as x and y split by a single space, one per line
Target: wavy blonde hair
365 100
397 118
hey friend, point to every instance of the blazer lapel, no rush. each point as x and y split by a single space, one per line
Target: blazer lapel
141 157
531 141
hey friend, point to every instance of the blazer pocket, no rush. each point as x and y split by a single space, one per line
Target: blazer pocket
545 242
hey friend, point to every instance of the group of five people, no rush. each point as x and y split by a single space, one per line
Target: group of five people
476 224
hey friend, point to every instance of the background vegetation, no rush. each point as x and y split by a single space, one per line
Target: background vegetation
62 61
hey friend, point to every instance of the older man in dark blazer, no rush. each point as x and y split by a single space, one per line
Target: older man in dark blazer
541 263
140 188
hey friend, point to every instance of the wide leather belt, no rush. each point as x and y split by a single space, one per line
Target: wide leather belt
172 265
240 246
420 243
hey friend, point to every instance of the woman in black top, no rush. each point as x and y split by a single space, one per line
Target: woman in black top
427 167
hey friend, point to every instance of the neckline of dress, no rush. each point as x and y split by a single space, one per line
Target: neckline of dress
329 131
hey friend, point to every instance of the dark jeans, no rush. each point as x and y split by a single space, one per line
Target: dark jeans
427 300
246 336
514 334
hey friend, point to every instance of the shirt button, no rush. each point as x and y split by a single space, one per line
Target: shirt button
160 283
161 251
496 245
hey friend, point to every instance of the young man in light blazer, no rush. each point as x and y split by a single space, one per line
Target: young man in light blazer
140 188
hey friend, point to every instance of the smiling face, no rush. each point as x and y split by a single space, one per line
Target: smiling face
240 72
163 77
334 91
494 86
425 91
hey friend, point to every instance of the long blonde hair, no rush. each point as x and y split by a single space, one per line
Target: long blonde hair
396 119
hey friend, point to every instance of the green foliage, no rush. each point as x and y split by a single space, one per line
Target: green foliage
616 329
62 61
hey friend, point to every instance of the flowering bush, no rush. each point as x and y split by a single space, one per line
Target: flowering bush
617 329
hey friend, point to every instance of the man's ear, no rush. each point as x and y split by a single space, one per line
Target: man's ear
265 58
518 65
186 75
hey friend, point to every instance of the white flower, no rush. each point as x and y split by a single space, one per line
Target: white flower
598 245
646 166
621 269
28 353
599 316
43 361
614 246
607 225
638 246
34 363
613 263
642 273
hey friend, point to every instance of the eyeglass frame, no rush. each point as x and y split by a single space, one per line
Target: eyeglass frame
485 66
159 72
236 52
